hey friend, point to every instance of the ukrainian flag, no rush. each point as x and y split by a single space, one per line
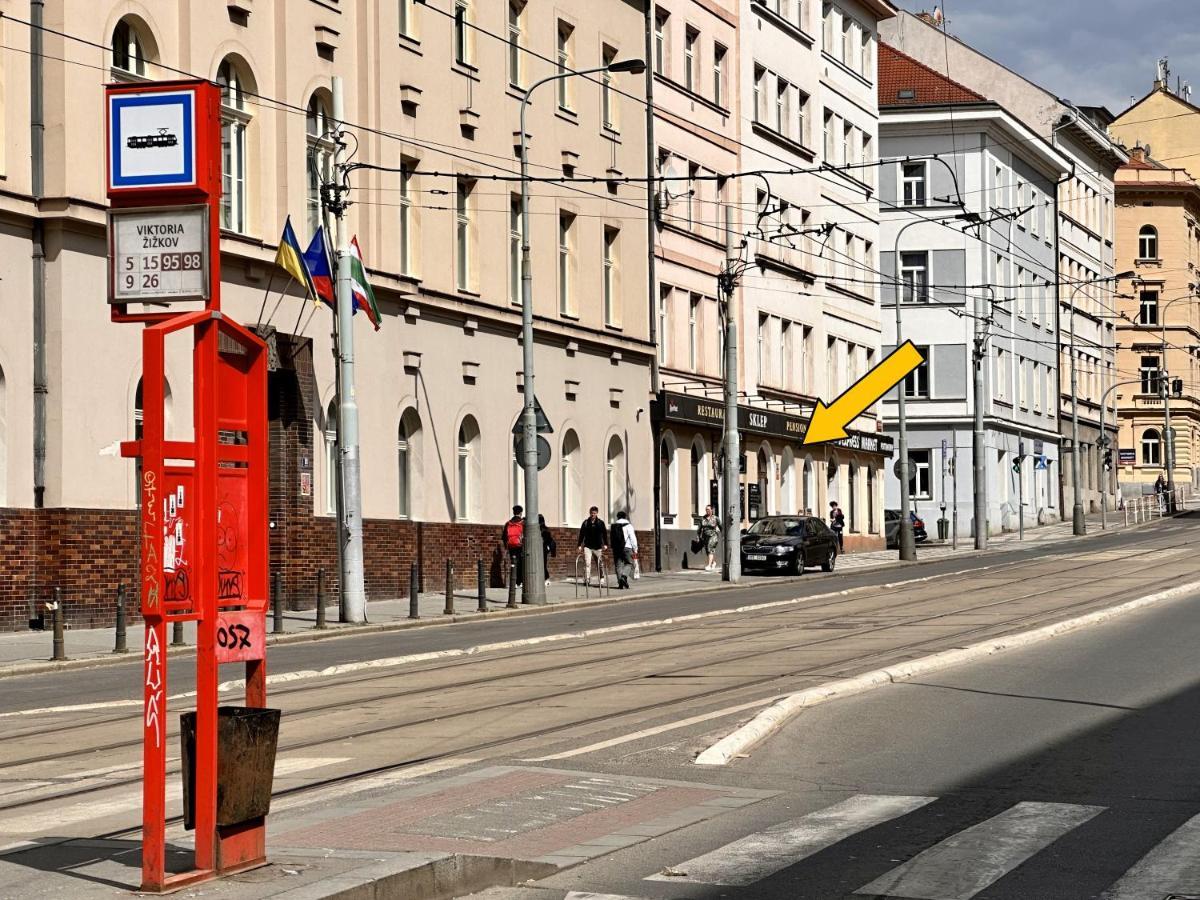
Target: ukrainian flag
290 258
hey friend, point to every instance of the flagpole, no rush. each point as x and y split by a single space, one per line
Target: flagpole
282 294
266 294
298 318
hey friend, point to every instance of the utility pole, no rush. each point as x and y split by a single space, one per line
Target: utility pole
731 475
1020 467
353 600
978 436
954 490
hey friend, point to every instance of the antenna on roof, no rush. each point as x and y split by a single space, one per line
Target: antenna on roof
938 18
1163 80
1186 92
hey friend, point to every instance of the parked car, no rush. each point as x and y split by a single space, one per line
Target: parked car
788 544
891 528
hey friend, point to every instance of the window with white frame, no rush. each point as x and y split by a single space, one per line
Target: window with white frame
691 59
331 460
128 50
694 312
407 460
516 52
614 471
1148 242
1151 447
319 157
914 180
802 117
847 40
515 234
921 478
1150 375
661 47
608 105
782 113
408 22
1002 376
916 383
719 53
462 32
566 263
914 277
867 50
828 144
1148 308
469 462
612 296
564 55
760 94
235 120
664 323
1019 291
570 478
763 325
787 351
408 225
1022 385
464 250
827 27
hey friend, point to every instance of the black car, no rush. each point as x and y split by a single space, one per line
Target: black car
891 528
788 544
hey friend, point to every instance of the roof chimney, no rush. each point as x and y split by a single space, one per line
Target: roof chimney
934 18
1138 154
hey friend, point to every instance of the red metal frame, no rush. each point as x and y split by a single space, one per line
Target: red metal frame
212 492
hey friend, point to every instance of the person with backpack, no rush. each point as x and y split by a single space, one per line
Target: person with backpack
837 522
549 546
512 539
593 541
624 549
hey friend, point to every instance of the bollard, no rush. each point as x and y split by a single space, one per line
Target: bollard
414 588
60 652
321 597
449 610
120 646
177 635
276 604
512 585
480 587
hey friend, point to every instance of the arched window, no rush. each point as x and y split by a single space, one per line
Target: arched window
408 462
468 471
668 468
833 490
318 162
699 481
787 484
1151 447
614 476
570 480
234 81
852 504
764 482
808 499
1148 242
331 464
128 50
871 500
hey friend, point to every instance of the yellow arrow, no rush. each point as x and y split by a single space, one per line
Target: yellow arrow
828 423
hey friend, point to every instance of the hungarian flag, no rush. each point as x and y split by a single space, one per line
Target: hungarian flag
316 257
364 297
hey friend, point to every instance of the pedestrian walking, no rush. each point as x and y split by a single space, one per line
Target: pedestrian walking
1160 490
549 546
708 532
837 522
512 539
624 549
593 541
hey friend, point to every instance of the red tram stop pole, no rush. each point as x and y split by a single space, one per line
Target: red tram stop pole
204 544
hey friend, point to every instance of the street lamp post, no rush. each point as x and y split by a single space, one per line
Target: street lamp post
1104 439
534 590
1078 522
905 537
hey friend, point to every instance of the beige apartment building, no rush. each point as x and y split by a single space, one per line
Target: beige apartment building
433 91
1158 236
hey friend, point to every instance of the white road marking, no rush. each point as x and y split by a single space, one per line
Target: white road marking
394 661
1172 867
756 856
587 895
45 822
657 729
967 862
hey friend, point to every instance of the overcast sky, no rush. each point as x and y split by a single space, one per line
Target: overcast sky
1091 52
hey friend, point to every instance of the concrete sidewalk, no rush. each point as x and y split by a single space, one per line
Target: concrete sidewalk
27 652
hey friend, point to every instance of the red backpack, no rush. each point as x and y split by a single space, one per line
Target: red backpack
514 535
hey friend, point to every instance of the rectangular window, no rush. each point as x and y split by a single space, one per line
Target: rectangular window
462 40
233 154
847 143
762 347
514 250
612 299
664 324
802 118
407 225
566 261
782 114
828 141
515 67
719 74
868 54
407 25
914 277
660 41
787 350
760 94
608 106
1019 293
693 199
913 179
564 62
916 383
1001 375
694 331
1148 308
464 252
827 28
922 474
1150 375
691 60
1022 387
847 41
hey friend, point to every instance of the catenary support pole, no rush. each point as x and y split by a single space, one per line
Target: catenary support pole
121 644
354 598
414 593
480 586
732 514
59 651
905 538
321 597
978 436
1078 522
276 604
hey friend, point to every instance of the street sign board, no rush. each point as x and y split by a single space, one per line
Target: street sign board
158 255
543 422
543 450
1126 456
152 140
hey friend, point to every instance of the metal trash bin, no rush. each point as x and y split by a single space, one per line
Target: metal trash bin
246 742
943 528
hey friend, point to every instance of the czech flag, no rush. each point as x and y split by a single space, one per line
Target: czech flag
291 260
316 257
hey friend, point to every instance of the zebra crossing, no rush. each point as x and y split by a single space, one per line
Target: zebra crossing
964 863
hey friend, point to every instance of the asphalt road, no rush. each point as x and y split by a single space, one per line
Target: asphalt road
1063 771
122 681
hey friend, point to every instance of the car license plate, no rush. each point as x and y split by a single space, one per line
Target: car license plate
756 557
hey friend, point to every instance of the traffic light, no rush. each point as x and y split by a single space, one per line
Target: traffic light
1108 462
1017 460
1177 387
